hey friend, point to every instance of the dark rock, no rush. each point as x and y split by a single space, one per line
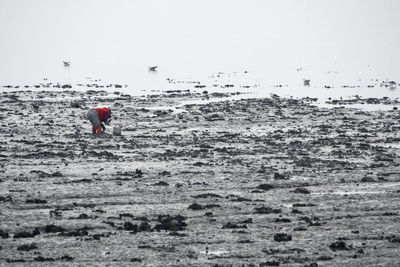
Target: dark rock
83 216
27 247
36 201
196 206
27 234
249 220
394 239
161 183
296 211
130 227
324 258
282 237
241 199
15 260
230 225
66 258
338 245
135 260
56 174
5 199
312 264
51 228
75 105
303 205
278 176
285 220
265 187
4 234
78 232
144 227
301 190
170 223
266 210
269 263
42 259
207 195
367 179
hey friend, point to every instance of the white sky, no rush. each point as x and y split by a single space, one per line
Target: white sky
196 35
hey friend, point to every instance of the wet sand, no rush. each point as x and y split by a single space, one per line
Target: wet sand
259 182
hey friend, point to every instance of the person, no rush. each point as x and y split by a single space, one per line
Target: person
97 116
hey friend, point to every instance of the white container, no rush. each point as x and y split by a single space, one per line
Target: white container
117 130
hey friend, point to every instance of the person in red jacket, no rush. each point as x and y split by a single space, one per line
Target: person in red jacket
97 116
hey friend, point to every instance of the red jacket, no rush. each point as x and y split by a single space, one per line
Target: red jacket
104 113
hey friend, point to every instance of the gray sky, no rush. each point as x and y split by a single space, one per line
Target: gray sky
101 36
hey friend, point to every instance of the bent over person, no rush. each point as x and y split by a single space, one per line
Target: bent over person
97 116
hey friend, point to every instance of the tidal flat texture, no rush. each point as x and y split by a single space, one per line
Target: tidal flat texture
254 182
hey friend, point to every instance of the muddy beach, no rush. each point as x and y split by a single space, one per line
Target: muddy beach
255 182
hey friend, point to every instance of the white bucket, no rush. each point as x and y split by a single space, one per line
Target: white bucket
117 130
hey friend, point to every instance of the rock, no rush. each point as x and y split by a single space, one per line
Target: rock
285 220
282 237
269 263
6 199
338 245
367 179
27 234
66 86
278 176
78 232
27 247
196 206
66 258
4 234
266 210
75 105
130 227
265 187
230 225
207 195
301 190
51 228
145 227
15 260
161 183
170 223
36 201
41 259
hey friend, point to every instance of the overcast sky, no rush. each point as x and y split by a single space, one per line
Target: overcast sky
196 35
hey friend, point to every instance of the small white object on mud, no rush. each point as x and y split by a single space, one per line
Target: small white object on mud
117 130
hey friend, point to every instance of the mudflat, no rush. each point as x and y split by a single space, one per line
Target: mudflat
254 182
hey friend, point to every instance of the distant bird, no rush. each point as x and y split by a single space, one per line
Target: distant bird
153 68
66 63
306 82
275 96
